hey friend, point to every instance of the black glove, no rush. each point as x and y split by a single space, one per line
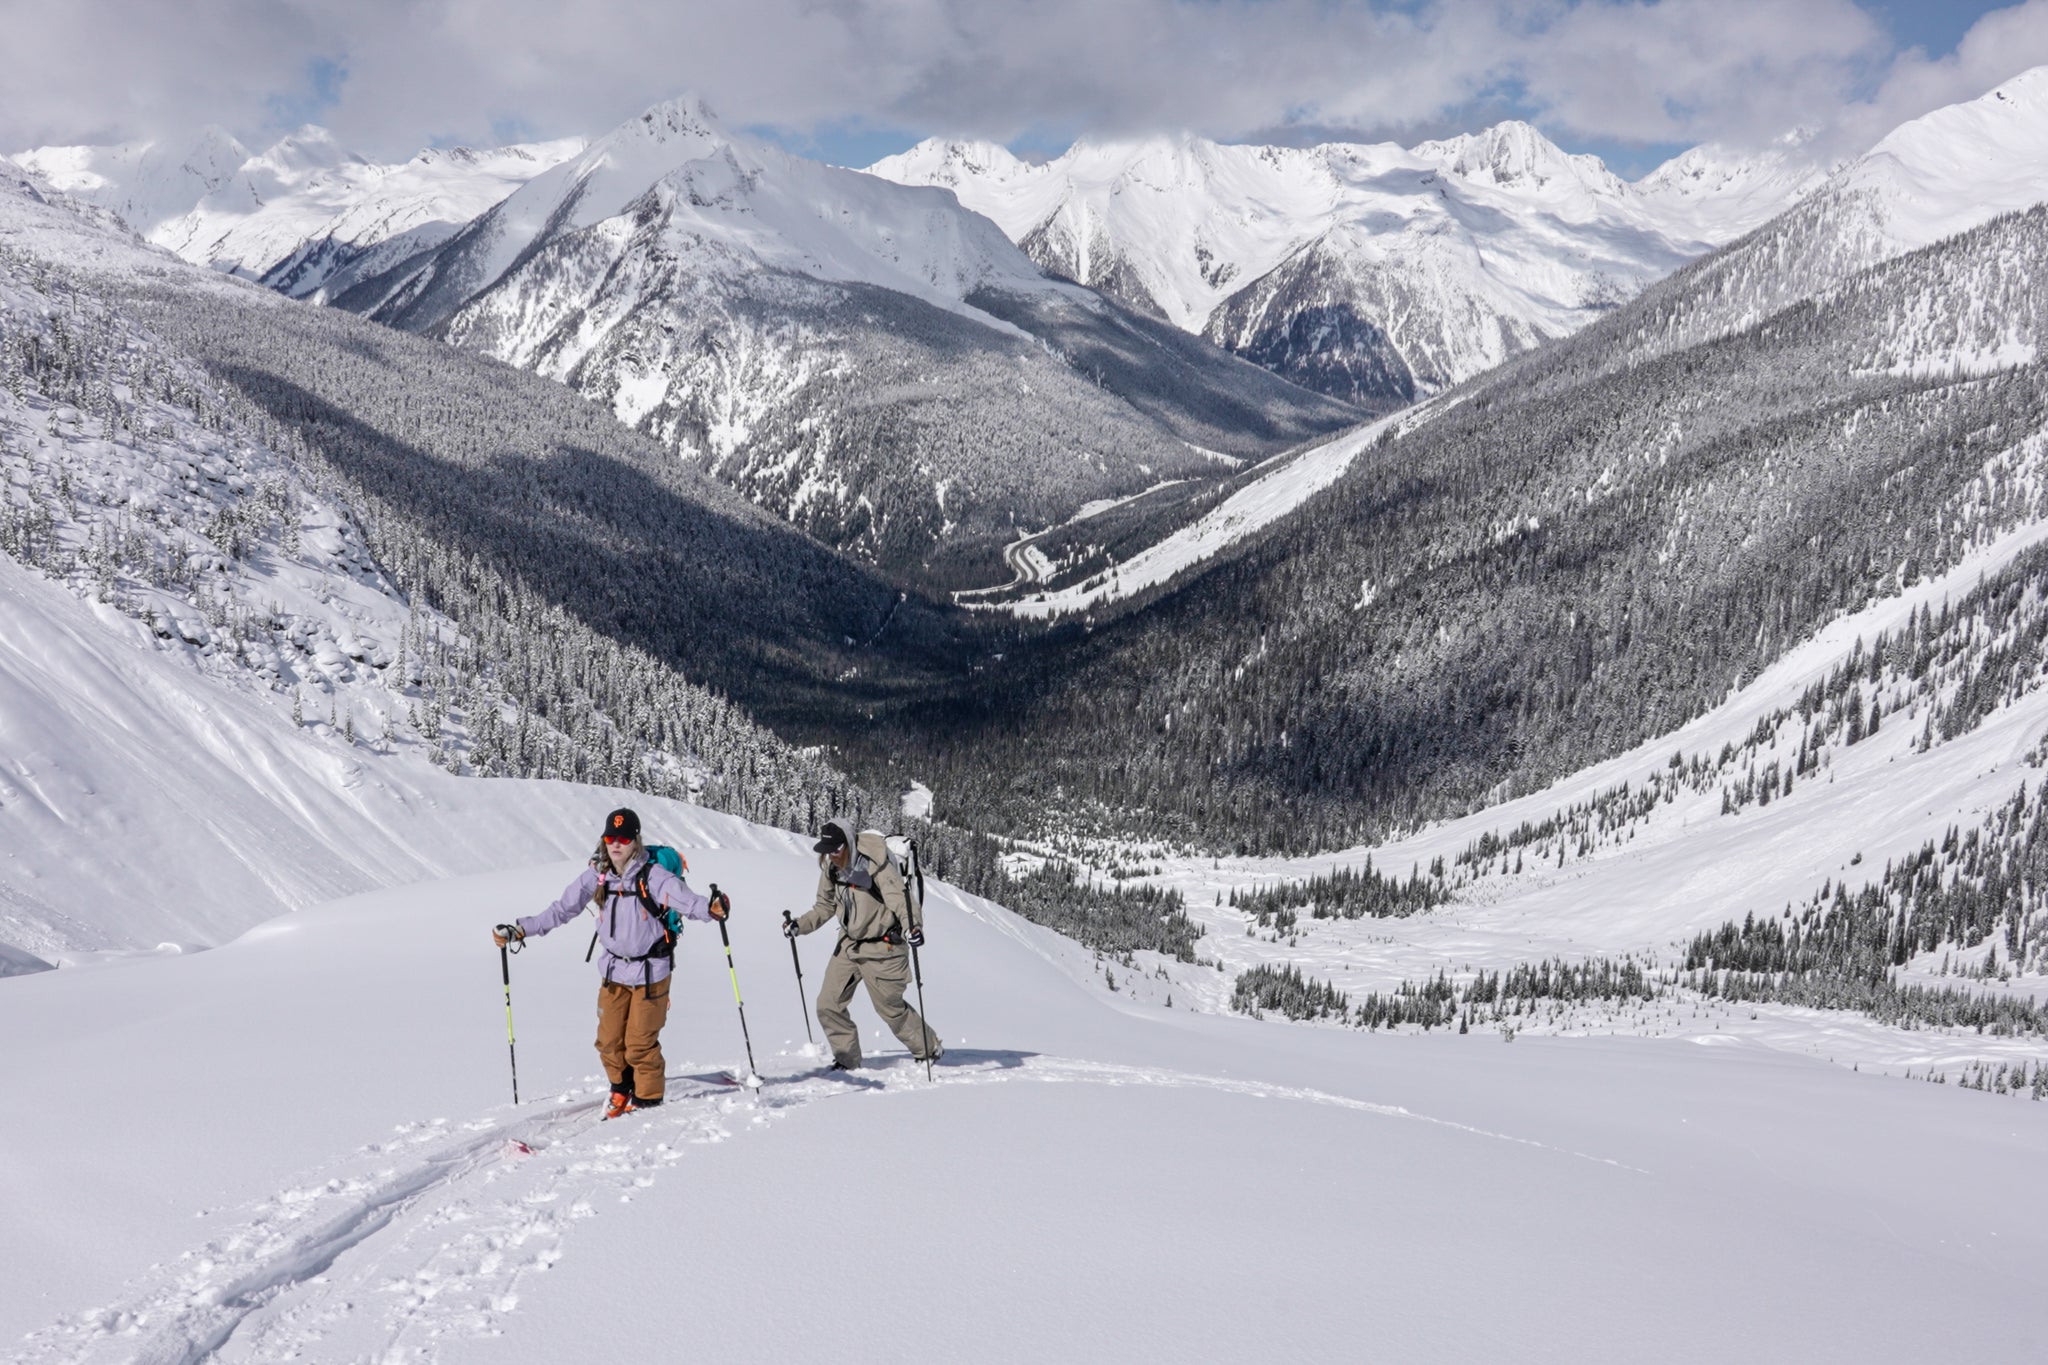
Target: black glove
788 926
916 938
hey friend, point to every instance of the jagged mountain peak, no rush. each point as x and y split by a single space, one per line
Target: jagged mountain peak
309 147
626 162
214 155
945 162
685 120
1481 245
1514 153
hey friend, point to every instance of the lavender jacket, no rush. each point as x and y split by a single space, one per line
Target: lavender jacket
624 927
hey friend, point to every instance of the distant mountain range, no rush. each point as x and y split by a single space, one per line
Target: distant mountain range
1589 545
296 212
891 372
1366 271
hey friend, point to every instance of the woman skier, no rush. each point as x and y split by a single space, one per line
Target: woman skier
634 894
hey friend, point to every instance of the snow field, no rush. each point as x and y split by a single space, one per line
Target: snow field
1293 480
307 1152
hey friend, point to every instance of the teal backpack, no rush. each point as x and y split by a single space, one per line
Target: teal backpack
670 920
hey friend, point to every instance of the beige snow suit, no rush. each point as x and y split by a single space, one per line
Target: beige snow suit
870 903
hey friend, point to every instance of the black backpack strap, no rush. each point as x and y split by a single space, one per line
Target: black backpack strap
667 946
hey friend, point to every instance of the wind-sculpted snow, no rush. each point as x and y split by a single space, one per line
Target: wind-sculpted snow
443 1225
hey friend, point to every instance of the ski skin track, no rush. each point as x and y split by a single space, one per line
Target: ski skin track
207 1318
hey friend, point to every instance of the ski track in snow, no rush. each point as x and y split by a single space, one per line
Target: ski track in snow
437 1242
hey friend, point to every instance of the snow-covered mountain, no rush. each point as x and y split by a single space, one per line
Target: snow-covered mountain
864 358
736 205
415 205
146 184
1367 271
295 213
1931 179
297 1144
397 1205
202 614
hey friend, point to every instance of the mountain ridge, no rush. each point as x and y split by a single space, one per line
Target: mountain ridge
1365 271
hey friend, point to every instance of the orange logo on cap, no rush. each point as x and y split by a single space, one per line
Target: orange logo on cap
618 820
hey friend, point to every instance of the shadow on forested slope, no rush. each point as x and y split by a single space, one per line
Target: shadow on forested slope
1595 546
473 457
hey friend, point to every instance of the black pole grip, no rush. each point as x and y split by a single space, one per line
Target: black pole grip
802 998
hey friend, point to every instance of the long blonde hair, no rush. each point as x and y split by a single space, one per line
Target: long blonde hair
602 858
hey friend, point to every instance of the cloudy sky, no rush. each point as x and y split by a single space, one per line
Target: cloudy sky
850 80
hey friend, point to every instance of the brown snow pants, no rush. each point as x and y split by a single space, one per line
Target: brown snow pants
629 1020
887 974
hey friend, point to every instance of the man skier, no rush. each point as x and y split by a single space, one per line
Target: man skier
639 952
860 887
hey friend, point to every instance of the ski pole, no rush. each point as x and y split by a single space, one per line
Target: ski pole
506 931
803 999
916 969
753 1074
923 1023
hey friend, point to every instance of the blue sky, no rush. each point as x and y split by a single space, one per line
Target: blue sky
1633 81
1934 27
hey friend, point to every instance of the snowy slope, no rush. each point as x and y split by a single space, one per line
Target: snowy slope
193 621
1272 492
1930 179
1641 884
296 212
1717 193
416 205
1374 268
366 1203
274 200
1946 172
1082 1179
145 184
732 205
108 731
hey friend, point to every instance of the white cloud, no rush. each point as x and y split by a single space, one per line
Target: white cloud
1998 47
1626 70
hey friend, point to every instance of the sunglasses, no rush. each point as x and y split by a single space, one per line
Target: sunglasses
618 838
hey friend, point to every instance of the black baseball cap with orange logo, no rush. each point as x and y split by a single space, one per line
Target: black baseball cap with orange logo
622 824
